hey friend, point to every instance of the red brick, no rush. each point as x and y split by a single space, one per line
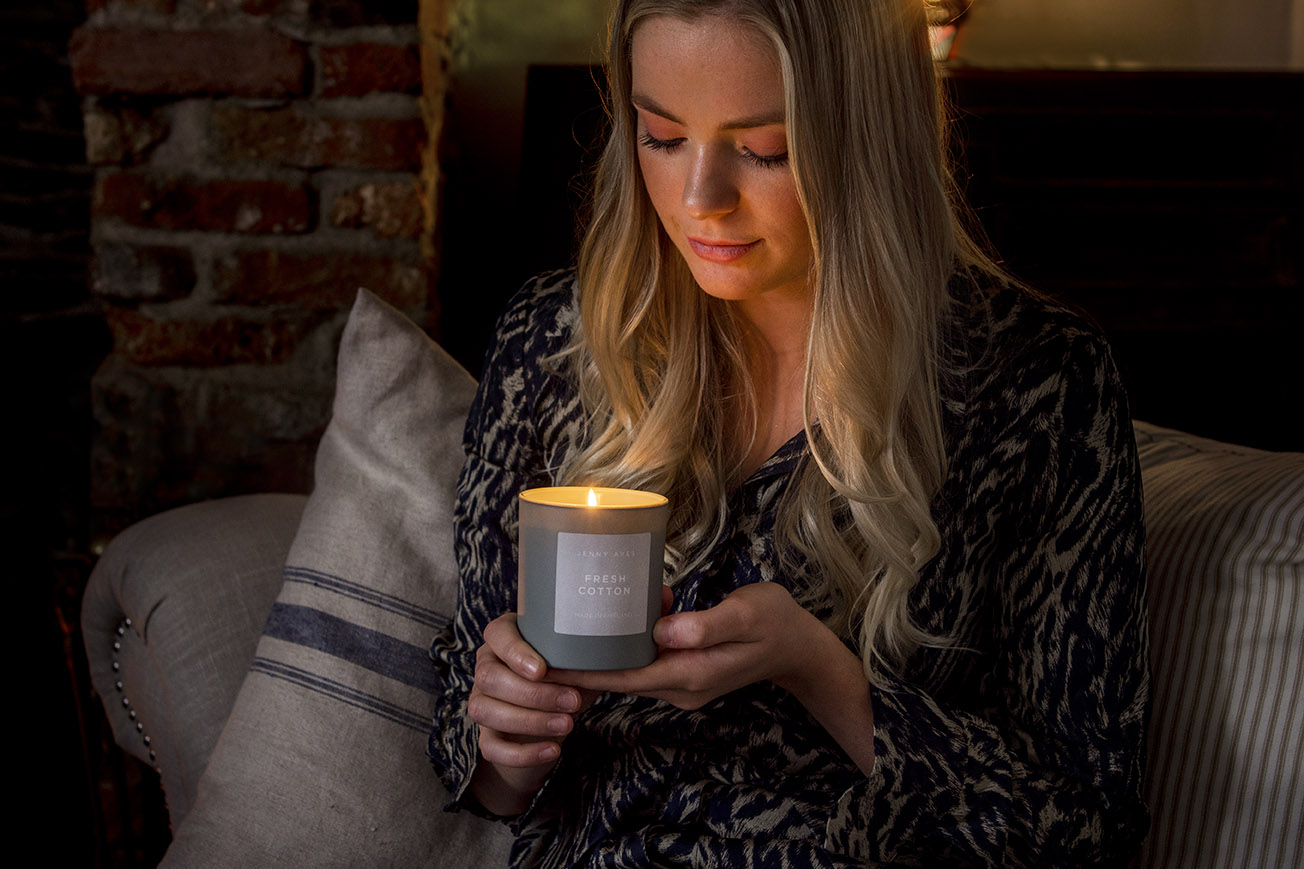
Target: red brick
325 280
216 205
245 62
290 137
390 210
145 340
121 136
366 67
169 435
149 272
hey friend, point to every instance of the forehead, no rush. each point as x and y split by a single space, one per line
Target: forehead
713 60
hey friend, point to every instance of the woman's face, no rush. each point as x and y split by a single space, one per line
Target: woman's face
714 154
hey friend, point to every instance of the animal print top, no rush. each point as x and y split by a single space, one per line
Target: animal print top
1021 744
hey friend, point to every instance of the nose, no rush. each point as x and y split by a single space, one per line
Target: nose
710 189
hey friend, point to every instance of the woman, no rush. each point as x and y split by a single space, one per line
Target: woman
907 620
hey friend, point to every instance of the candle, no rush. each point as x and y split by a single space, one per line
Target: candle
591 562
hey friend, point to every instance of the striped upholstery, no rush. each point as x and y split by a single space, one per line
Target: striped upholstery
322 761
1225 528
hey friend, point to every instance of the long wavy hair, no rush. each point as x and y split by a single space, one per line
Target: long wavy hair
661 365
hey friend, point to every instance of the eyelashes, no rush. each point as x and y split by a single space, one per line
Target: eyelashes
669 146
771 161
646 140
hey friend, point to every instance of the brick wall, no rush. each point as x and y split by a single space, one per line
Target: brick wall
256 161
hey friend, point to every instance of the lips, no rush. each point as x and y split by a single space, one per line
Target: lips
720 251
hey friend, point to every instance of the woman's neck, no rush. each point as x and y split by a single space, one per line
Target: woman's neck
779 324
776 344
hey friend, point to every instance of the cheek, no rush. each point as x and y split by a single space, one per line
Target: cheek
659 184
786 211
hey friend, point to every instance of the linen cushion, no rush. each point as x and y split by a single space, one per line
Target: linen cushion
1225 538
322 760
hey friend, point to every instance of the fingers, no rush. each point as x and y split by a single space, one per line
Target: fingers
512 734
730 621
504 750
495 678
749 614
511 717
683 678
522 718
667 599
517 715
505 639
703 654
668 670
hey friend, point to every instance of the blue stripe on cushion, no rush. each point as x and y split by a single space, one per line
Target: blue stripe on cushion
364 647
342 693
368 595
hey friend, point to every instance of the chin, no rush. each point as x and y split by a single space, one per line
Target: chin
727 287
726 291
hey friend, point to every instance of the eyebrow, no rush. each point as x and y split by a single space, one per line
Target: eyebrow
746 123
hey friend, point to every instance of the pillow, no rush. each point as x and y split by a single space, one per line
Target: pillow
323 759
1225 538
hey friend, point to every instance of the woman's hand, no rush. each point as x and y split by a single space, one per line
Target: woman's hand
757 633
523 718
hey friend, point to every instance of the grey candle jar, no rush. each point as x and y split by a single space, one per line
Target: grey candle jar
589 582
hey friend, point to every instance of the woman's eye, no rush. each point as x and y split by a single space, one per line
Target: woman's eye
652 144
767 161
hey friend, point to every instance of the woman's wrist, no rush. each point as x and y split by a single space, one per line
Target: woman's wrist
506 791
829 681
812 651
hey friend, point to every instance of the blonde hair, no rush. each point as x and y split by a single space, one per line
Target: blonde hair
655 356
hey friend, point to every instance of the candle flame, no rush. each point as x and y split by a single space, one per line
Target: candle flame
593 498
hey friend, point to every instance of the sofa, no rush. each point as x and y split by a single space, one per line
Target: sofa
267 654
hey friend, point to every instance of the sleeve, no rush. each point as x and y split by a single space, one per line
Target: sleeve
503 456
1044 767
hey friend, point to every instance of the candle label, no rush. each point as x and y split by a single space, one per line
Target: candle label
602 584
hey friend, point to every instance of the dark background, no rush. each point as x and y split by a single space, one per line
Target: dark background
51 340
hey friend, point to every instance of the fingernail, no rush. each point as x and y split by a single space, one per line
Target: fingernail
549 752
559 724
661 633
533 666
568 701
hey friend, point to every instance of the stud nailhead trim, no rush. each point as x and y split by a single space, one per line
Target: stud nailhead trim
126 704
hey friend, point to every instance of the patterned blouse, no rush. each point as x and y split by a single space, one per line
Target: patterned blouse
1021 744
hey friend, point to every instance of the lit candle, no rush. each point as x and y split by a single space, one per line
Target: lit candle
591 562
